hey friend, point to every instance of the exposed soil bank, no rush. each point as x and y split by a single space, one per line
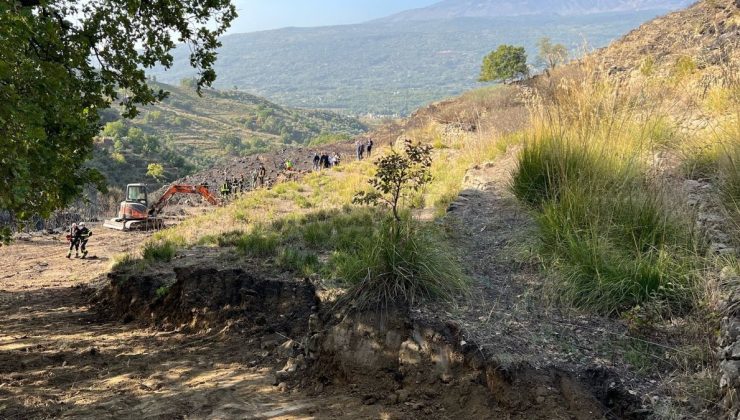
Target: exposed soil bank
203 298
408 366
429 366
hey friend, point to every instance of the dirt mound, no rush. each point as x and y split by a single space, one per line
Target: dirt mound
202 298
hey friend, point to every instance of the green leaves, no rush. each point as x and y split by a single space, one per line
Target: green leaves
398 174
506 63
64 62
155 170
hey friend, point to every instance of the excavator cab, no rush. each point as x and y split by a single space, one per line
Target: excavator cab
136 193
133 213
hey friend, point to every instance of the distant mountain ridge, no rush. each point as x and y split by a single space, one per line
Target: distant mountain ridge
384 67
451 9
394 65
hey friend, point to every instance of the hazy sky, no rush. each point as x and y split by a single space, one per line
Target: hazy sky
257 15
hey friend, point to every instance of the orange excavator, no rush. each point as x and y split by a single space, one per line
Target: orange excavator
136 214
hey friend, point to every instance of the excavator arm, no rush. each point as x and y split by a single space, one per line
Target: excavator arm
182 189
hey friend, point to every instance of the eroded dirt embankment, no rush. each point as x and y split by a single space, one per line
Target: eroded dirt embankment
394 361
203 298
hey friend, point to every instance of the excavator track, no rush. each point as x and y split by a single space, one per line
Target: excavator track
154 223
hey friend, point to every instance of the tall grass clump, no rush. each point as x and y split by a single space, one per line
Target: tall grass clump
605 224
260 242
401 263
298 260
729 177
163 250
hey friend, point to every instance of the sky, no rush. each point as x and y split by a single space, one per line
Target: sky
258 15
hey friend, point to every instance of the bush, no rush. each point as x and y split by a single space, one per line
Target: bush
617 250
159 251
613 237
401 263
548 164
317 234
162 292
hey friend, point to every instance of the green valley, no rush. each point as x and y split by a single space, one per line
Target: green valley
389 67
186 132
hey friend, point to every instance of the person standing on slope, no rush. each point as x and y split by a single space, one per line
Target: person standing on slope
360 148
316 160
254 179
324 161
369 146
225 190
83 235
73 242
261 172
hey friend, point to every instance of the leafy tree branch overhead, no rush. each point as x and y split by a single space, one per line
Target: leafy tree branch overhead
64 61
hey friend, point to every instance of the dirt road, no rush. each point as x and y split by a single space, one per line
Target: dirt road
59 359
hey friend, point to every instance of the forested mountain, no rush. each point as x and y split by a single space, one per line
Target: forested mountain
186 132
450 9
388 67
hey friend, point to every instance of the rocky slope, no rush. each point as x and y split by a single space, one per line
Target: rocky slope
705 36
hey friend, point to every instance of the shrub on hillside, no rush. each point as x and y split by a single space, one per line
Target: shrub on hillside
159 251
614 238
398 176
401 263
617 250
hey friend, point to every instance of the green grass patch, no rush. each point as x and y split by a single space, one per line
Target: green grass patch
260 242
359 248
614 239
121 261
298 260
162 250
162 292
400 263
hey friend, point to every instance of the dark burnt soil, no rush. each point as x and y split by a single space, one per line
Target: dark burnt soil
301 157
203 298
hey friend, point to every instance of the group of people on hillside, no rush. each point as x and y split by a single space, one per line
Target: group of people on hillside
232 187
78 236
364 148
321 160
325 160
